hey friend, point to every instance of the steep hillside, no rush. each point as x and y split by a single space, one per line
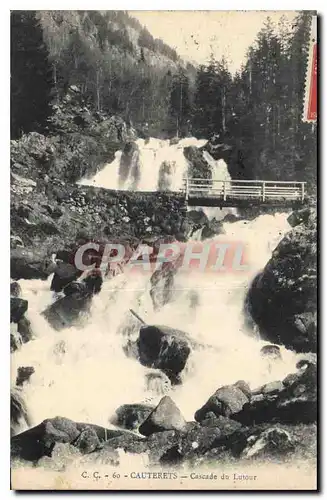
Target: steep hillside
115 62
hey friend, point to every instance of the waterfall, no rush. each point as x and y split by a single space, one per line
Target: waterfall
84 373
153 153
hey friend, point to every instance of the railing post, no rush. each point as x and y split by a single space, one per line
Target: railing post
186 189
263 191
224 190
302 191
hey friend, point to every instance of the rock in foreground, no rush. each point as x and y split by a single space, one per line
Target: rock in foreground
166 416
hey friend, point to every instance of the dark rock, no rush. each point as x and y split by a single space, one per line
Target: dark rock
39 441
271 351
300 216
93 281
75 288
226 401
162 443
164 348
282 299
18 411
102 433
226 425
29 264
87 441
295 402
198 167
213 228
130 416
18 308
24 328
24 374
67 311
166 416
15 289
64 274
230 218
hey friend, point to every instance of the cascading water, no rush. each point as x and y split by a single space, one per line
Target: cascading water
85 374
153 154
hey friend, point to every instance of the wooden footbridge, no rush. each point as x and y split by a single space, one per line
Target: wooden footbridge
237 193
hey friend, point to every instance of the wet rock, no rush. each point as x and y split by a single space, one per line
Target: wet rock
93 281
29 264
75 288
64 274
227 401
68 311
272 387
198 167
282 299
164 348
131 416
213 228
18 411
18 308
24 374
15 289
271 351
24 328
166 416
162 285
230 218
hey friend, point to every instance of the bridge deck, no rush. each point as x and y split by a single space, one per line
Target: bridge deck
234 193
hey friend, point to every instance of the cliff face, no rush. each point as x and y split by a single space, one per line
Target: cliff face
283 298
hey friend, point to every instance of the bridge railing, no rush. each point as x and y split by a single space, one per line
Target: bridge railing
244 189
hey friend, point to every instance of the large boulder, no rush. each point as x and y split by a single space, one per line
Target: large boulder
131 416
15 289
18 308
282 299
68 311
166 416
226 401
165 348
293 400
30 264
39 441
198 167
64 274
129 166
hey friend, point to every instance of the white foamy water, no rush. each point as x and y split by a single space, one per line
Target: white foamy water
153 153
84 373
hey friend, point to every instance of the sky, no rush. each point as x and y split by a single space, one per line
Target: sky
197 34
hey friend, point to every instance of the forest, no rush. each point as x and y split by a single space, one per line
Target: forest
120 69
